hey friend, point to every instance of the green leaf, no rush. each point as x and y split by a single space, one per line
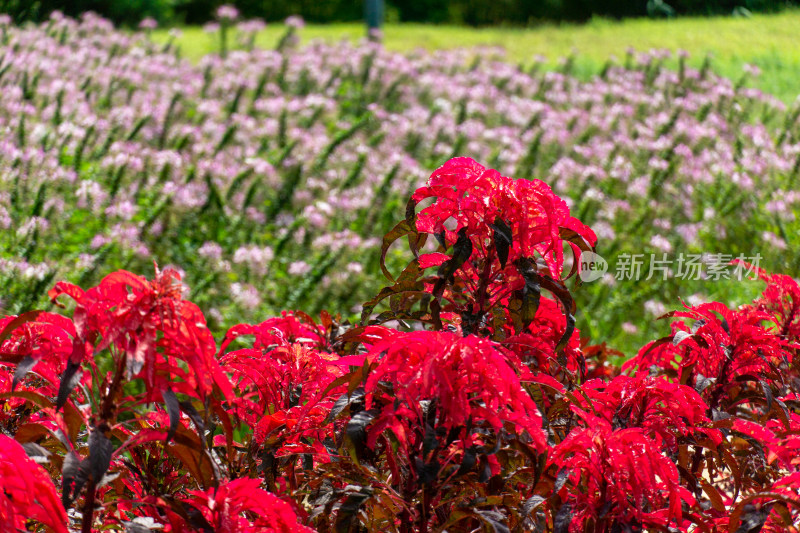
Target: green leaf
410 286
401 229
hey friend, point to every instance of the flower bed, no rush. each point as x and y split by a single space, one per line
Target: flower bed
464 400
265 175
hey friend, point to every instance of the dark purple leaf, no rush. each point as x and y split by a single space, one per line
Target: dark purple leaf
502 240
133 527
563 519
469 461
194 416
36 452
531 504
356 429
23 368
462 250
411 214
486 470
753 519
767 394
100 449
344 401
561 292
69 380
427 472
73 478
347 514
174 412
531 295
494 518
702 383
561 479
197 520
440 238
402 229
429 442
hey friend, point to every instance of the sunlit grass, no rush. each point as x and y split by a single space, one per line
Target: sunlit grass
772 42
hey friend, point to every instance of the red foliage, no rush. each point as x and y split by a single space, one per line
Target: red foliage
45 337
668 412
282 383
477 198
781 301
618 477
476 416
721 350
468 379
285 330
26 492
537 346
779 439
238 506
151 328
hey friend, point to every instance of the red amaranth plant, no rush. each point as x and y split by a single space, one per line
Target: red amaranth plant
781 301
39 344
285 392
438 417
532 221
537 345
130 342
238 506
721 353
472 413
149 329
668 411
616 480
506 237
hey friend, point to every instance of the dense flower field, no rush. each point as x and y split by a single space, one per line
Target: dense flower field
468 403
476 390
264 176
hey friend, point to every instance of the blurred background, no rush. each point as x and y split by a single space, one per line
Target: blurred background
466 12
264 148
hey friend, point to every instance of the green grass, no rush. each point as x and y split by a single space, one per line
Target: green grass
769 41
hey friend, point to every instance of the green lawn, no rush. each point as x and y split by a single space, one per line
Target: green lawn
771 42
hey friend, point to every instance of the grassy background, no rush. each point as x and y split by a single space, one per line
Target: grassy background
772 42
